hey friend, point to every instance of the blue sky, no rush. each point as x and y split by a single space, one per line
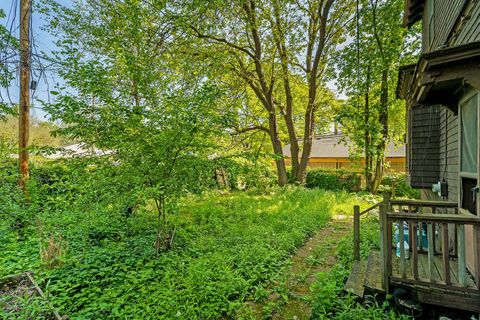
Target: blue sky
43 41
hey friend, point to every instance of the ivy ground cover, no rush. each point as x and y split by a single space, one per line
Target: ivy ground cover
224 246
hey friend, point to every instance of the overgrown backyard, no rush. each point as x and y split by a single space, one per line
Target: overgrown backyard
174 166
228 250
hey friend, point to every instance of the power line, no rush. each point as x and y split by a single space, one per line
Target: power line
41 67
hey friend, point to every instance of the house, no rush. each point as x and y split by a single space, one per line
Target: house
332 151
77 150
430 248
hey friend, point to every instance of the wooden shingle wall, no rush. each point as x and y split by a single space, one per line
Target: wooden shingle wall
424 146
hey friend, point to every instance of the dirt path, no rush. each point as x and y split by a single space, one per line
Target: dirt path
289 297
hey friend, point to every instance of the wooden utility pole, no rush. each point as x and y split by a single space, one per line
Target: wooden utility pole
24 106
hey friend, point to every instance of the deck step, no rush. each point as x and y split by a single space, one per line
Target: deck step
356 280
373 276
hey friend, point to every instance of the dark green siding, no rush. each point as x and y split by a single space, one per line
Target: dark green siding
424 146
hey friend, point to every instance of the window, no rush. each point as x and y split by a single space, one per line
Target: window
469 152
431 24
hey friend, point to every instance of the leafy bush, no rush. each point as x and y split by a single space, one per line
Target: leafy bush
333 180
397 183
244 174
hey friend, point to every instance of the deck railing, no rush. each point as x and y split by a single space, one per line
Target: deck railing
436 230
356 228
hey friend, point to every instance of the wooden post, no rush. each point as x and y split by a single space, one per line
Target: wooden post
389 245
401 240
24 105
462 267
420 236
384 246
476 247
356 233
410 231
413 245
431 252
446 254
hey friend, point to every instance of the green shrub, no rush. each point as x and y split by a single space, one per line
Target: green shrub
333 180
397 183
243 174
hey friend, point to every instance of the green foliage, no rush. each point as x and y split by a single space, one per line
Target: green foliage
159 129
275 66
9 47
372 116
40 133
13 210
397 183
244 173
329 300
225 246
333 180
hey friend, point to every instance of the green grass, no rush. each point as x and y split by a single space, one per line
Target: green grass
329 301
225 246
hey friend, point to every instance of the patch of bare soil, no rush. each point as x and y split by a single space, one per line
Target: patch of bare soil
21 298
289 296
14 295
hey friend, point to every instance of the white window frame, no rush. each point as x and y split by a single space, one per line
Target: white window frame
470 94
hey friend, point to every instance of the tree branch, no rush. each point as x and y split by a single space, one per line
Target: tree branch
222 40
254 128
375 32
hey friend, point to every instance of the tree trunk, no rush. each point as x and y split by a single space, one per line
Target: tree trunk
383 119
307 146
312 71
277 149
368 136
294 148
280 39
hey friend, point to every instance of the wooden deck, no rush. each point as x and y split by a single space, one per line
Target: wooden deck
431 241
365 279
438 275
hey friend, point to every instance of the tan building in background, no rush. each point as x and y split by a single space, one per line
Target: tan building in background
332 152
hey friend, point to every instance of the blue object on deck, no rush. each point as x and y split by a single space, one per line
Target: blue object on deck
405 237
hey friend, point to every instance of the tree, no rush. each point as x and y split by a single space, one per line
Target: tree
125 95
279 50
373 116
